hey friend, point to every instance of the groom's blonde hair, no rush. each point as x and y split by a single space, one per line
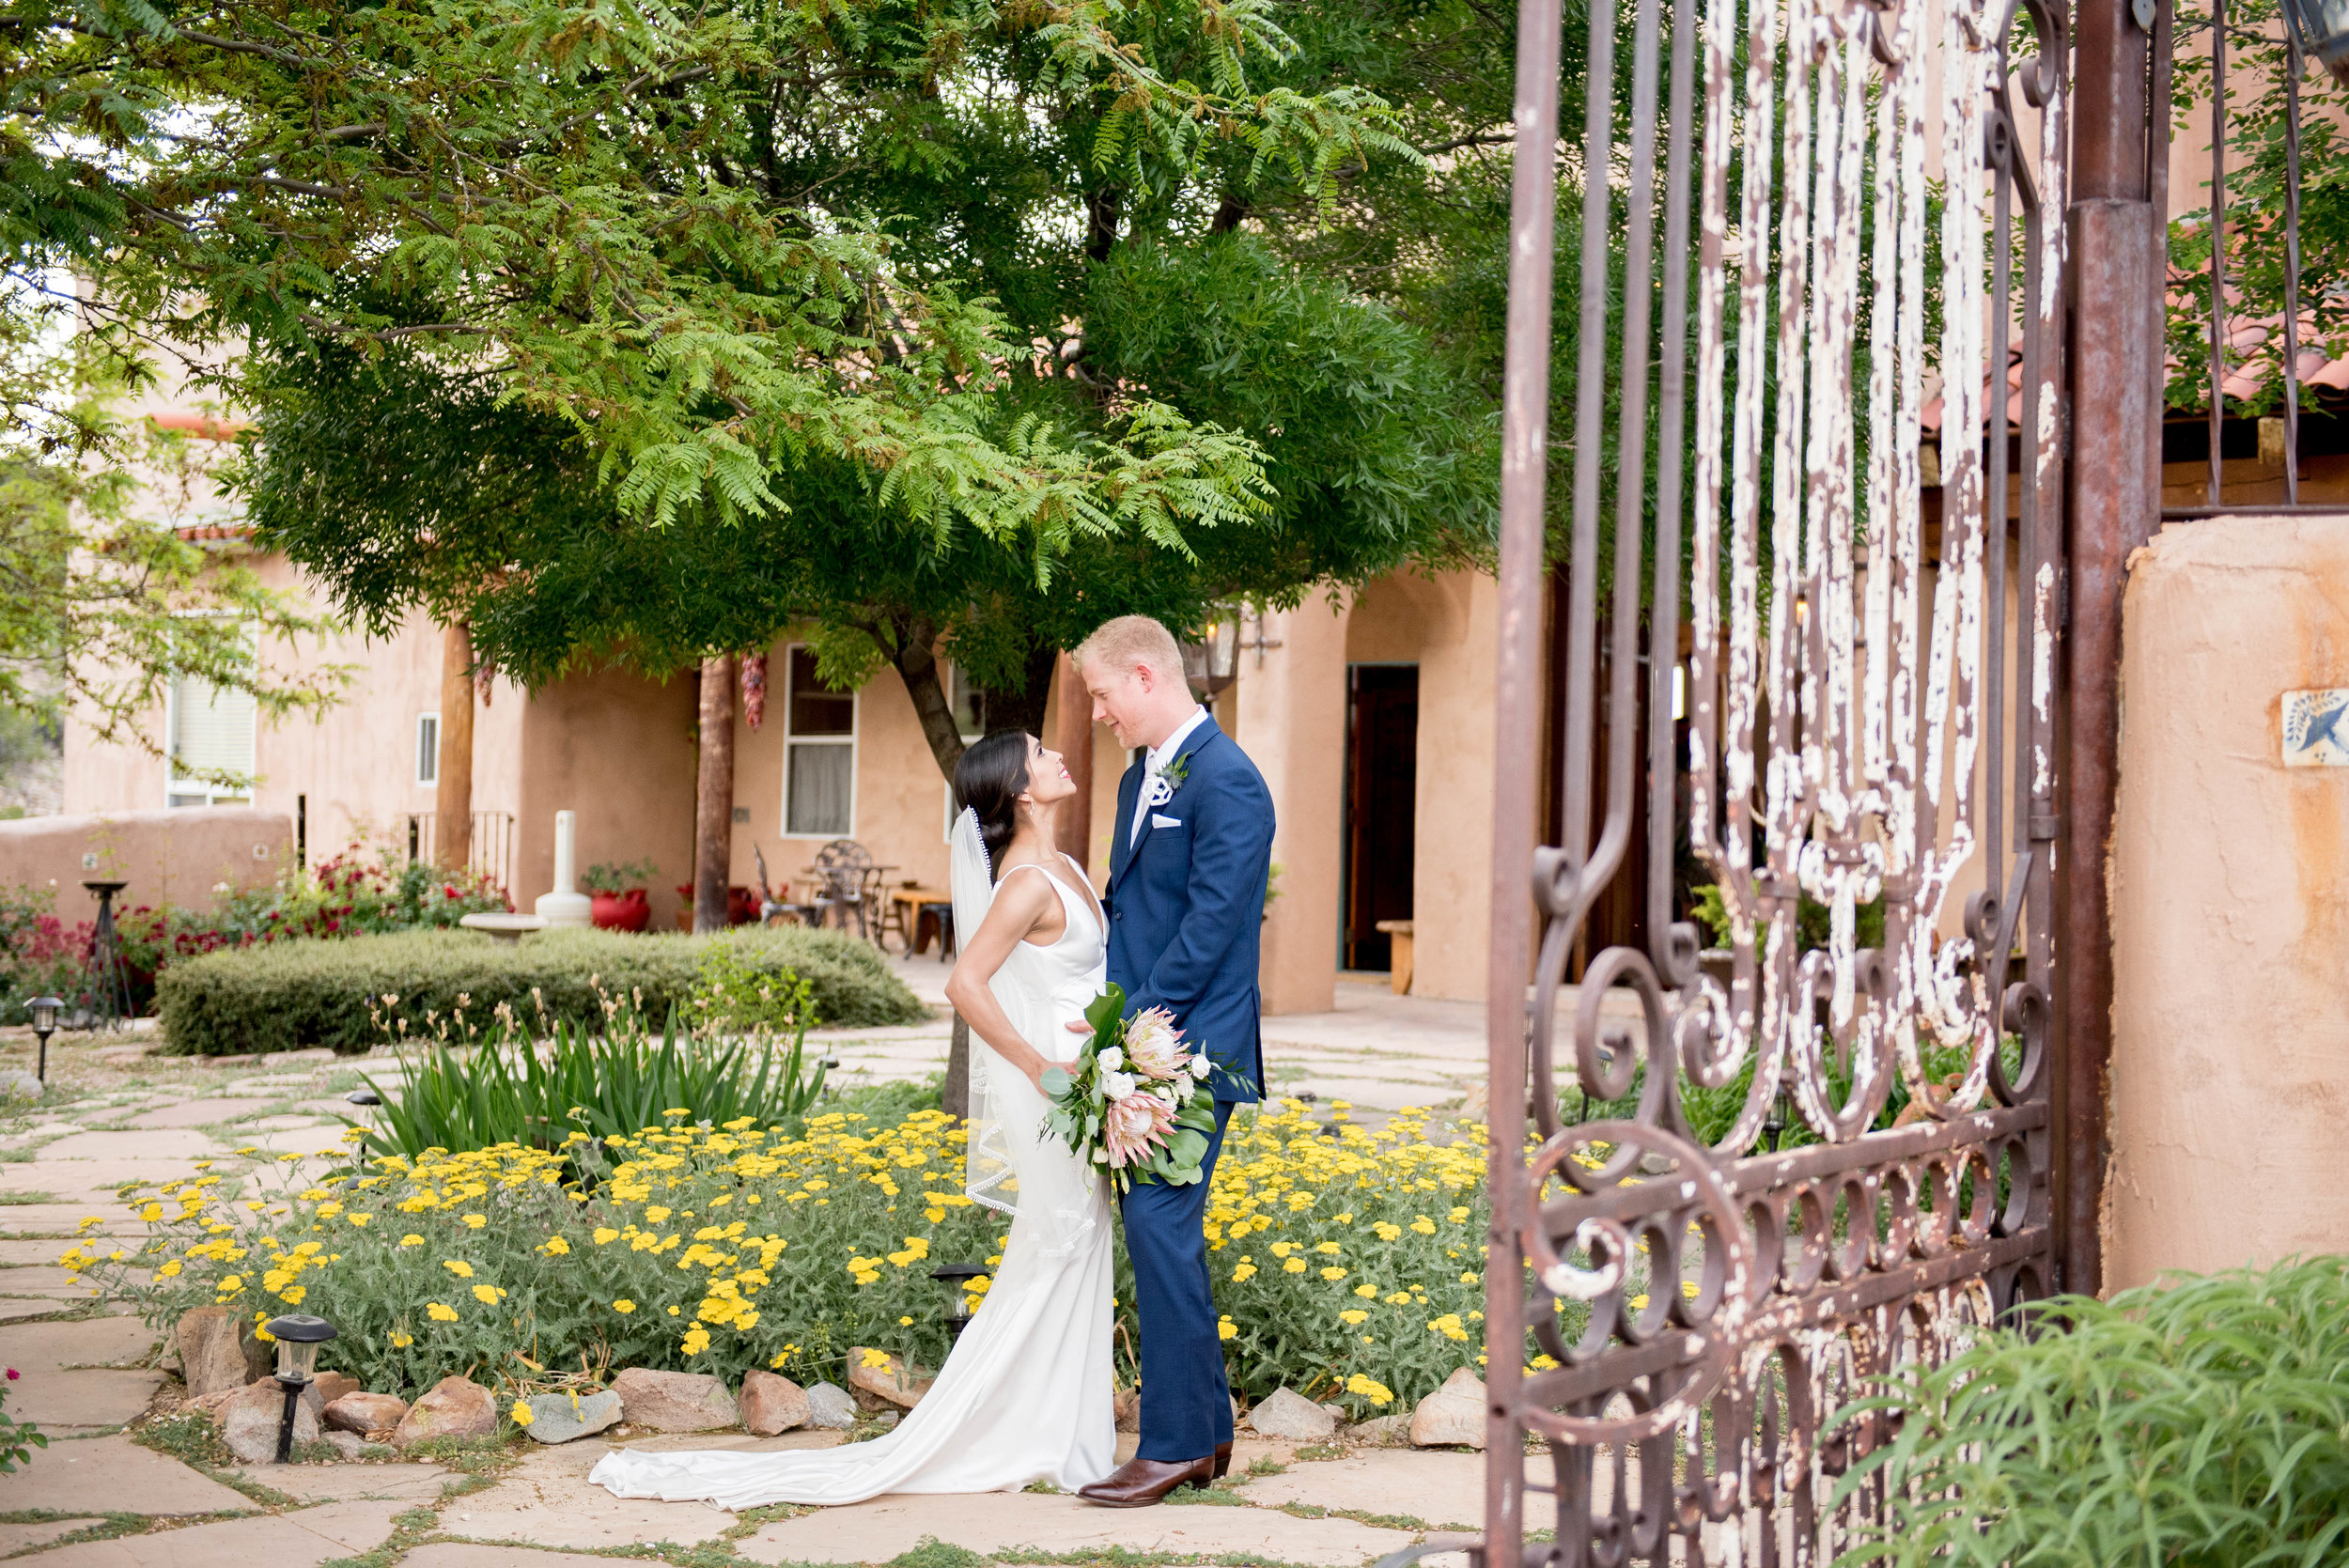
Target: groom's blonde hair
1131 640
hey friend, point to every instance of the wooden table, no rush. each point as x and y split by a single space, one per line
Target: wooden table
907 907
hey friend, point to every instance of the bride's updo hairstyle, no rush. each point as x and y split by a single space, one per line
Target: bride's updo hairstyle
989 780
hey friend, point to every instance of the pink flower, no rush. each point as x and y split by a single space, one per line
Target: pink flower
1132 1127
1154 1045
14 1374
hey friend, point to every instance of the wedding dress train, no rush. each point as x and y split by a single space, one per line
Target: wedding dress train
1026 1394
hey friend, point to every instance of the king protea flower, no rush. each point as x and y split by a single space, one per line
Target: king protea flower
1154 1047
1134 1126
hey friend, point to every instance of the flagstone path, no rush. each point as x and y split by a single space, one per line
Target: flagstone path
97 1498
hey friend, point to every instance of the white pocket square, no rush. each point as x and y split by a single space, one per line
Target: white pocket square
1160 820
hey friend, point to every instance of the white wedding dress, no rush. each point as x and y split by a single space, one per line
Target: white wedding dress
1027 1393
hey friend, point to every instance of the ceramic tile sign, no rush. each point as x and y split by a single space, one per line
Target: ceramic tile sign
2316 728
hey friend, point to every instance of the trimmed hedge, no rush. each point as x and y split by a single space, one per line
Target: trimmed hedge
290 996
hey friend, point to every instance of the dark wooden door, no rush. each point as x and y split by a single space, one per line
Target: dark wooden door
1382 795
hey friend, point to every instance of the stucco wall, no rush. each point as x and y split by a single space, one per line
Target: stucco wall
166 857
1292 724
2230 877
618 749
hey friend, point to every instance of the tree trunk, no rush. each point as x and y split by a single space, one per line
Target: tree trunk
714 804
916 662
955 1098
1073 739
452 795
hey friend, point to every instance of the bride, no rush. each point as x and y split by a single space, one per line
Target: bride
1026 1394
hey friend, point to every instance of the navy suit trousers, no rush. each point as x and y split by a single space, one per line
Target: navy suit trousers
1185 1402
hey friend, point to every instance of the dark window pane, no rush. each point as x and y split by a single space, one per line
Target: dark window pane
816 711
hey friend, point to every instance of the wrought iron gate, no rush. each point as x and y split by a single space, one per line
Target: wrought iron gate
1872 696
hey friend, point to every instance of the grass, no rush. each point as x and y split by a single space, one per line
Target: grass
23 1197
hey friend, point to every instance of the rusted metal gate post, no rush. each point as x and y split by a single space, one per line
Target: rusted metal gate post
2120 164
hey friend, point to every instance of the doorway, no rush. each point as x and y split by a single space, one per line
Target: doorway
1381 799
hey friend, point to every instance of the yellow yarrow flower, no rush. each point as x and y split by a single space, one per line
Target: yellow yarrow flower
458 1266
440 1313
521 1412
624 1305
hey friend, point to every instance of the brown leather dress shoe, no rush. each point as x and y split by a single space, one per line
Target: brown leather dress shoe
1140 1482
1223 1460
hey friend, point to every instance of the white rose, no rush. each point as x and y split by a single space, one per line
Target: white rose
1111 1058
1117 1085
1201 1067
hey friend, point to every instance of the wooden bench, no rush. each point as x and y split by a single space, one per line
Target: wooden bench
1399 975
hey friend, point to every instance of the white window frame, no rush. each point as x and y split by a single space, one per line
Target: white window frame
856 727
175 786
423 779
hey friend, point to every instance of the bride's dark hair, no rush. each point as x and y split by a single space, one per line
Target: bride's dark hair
989 780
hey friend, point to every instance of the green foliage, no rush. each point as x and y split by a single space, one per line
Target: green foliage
289 996
2202 1422
2256 257
103 604
18 1439
608 876
1812 921
736 994
608 1082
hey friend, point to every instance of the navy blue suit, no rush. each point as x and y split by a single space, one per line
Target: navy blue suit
1186 907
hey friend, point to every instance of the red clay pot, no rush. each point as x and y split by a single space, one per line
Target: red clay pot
620 911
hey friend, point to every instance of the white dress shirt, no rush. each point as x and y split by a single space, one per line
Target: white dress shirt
1153 762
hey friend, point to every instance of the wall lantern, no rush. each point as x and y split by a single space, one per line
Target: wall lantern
2321 29
1211 659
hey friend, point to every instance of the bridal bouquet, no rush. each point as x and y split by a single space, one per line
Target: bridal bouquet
1138 1101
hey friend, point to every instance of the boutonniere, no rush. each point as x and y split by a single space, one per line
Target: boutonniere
1159 787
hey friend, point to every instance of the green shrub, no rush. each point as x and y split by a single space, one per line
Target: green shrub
2201 1422
608 1084
289 996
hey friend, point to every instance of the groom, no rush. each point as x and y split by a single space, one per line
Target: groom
1189 857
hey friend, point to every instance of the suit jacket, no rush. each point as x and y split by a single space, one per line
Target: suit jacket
1186 905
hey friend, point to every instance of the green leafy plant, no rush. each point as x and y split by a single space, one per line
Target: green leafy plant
18 1439
619 876
608 1084
2201 1422
734 993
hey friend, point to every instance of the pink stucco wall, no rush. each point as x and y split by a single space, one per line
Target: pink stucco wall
166 857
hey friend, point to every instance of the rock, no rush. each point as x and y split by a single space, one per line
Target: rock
1129 1410
891 1380
351 1445
334 1385
1337 1412
1286 1413
888 1419
829 1406
1382 1431
1452 1415
560 1418
772 1404
211 1351
674 1401
366 1412
260 1360
455 1407
17 1085
215 1404
250 1418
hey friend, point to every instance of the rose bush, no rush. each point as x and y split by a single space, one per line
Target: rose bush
1348 1264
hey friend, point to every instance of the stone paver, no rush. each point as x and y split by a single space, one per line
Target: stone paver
556 1506
94 1474
144 1145
91 1341
18 1308
467 1554
191 1113
16 1538
43 1251
410 1484
43 1281
1440 1490
57 1401
878 1531
64 1219
294 1540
